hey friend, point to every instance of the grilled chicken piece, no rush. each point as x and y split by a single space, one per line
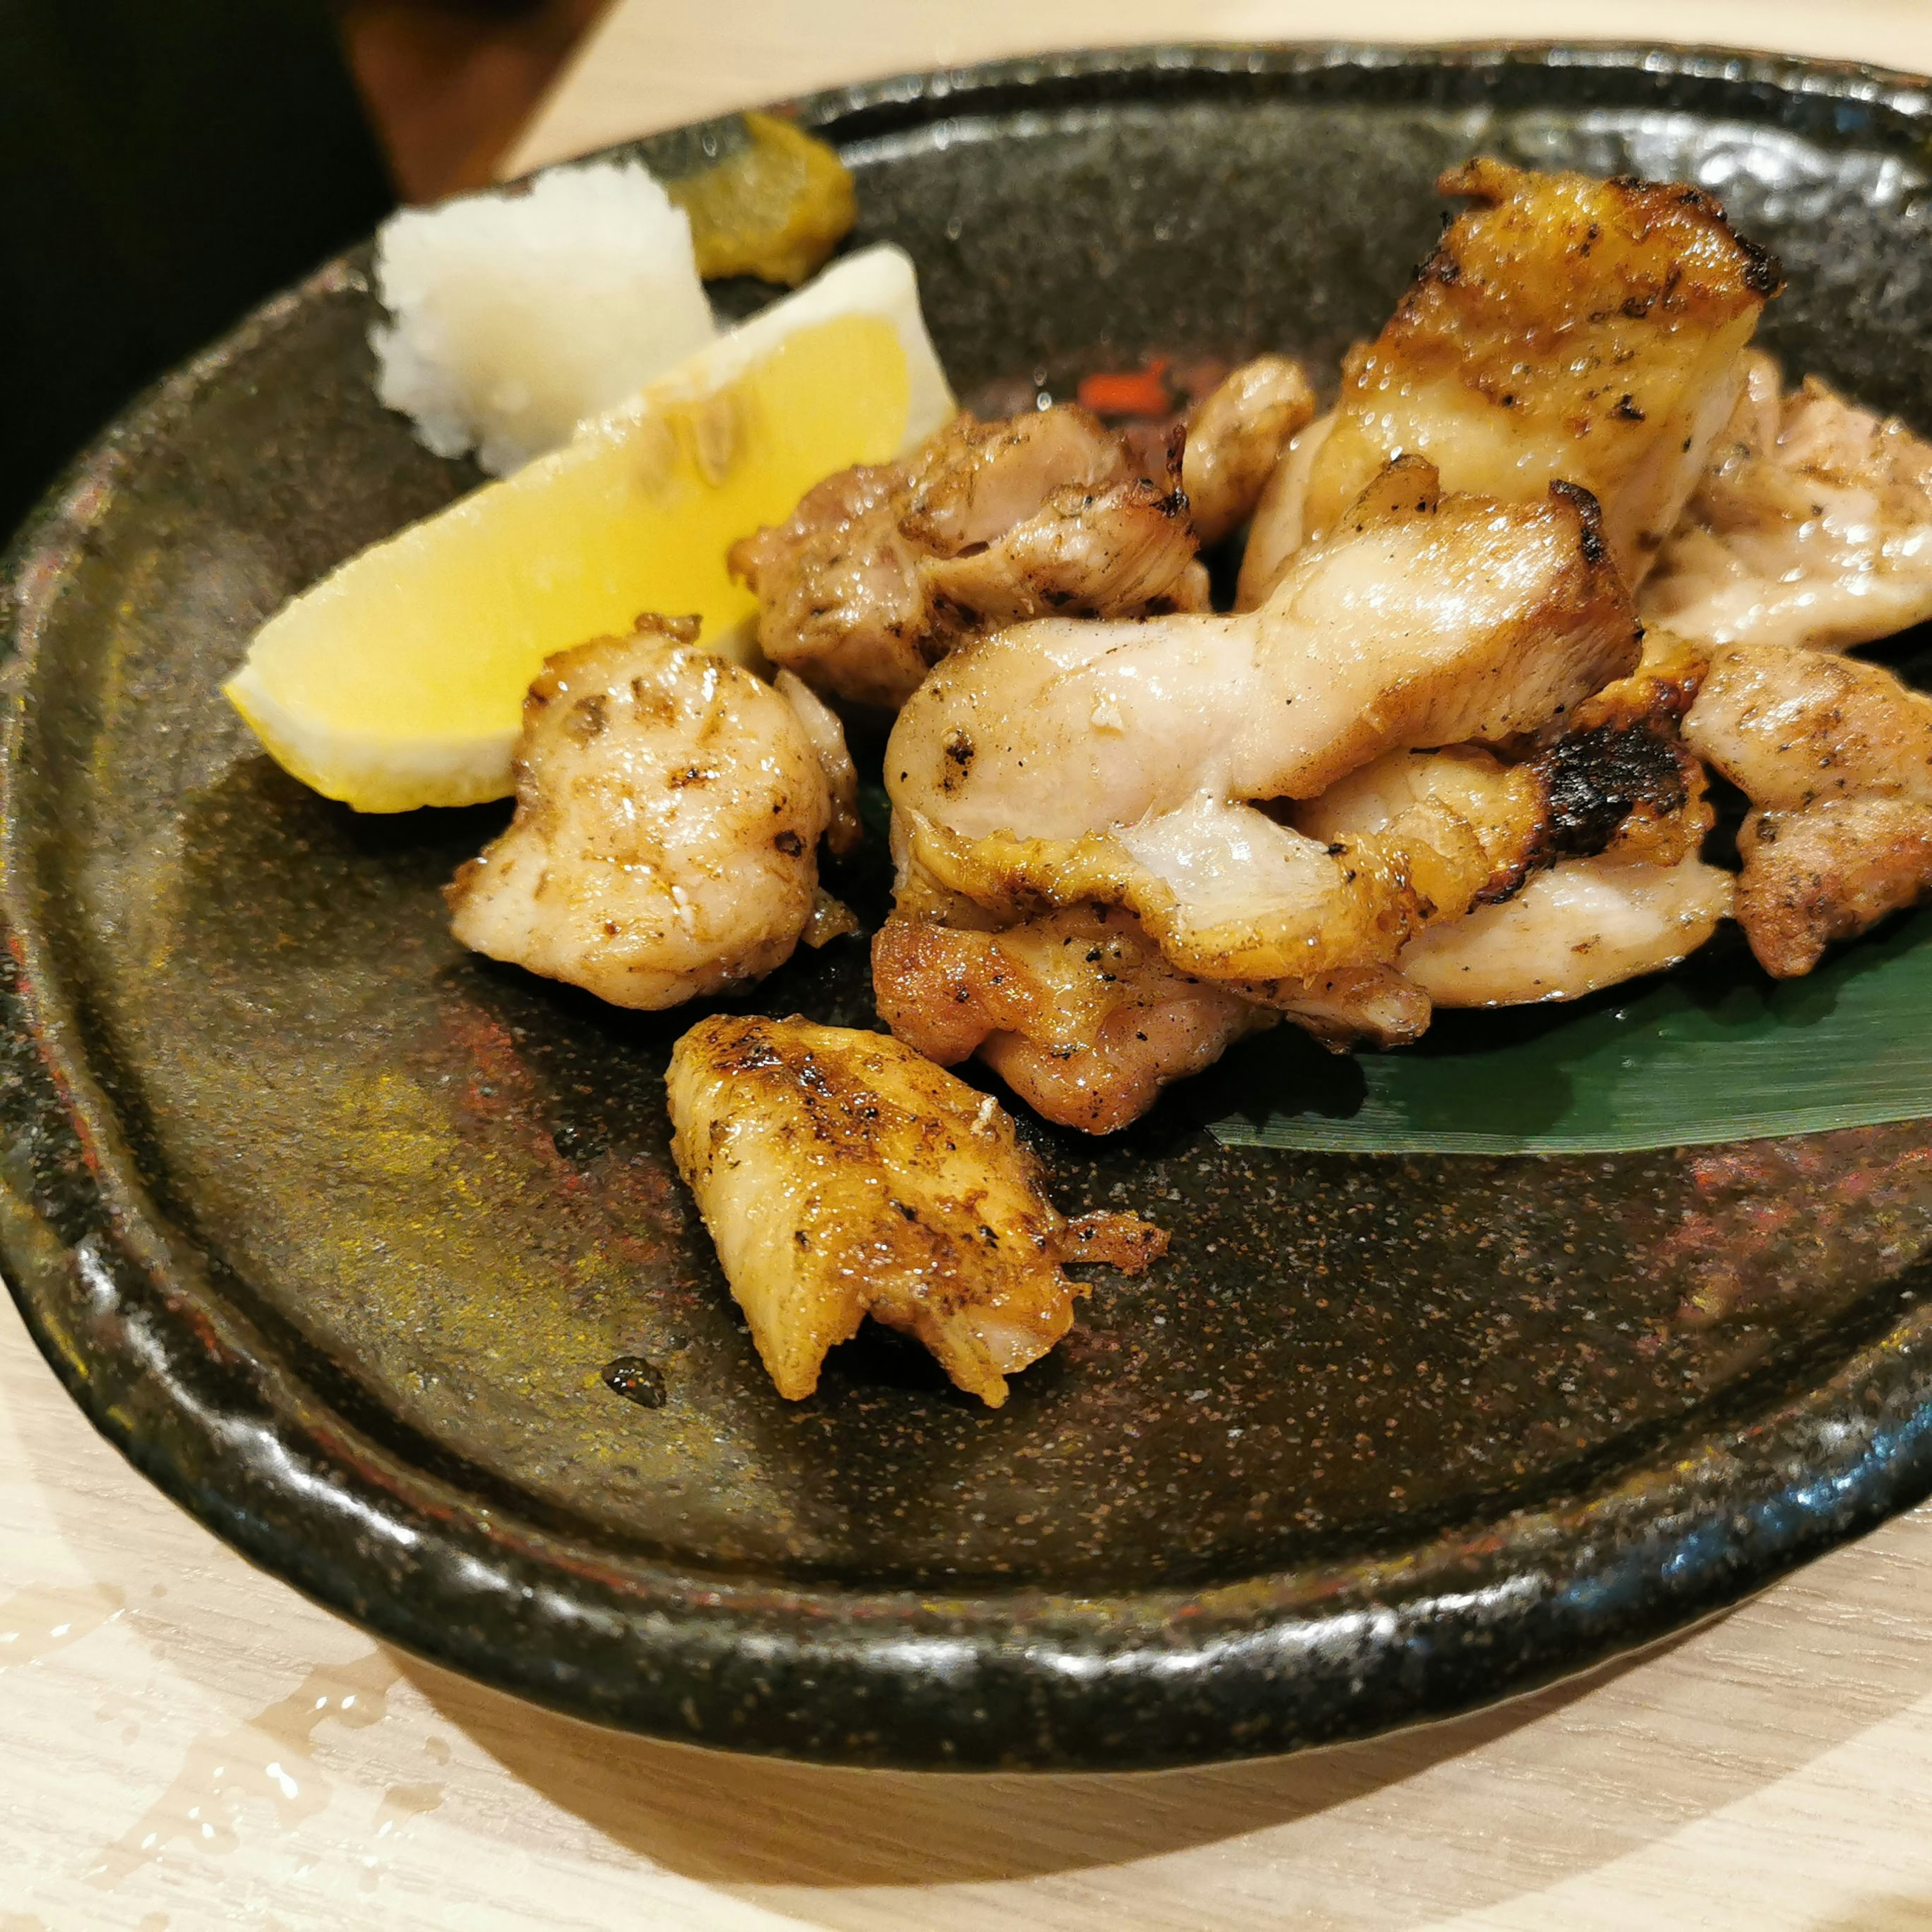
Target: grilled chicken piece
669 809
1584 924
1077 1011
882 569
1235 440
1835 756
841 1175
1058 764
828 744
1565 328
1083 1016
1277 531
973 481
1828 872
1789 727
1811 525
838 590
1616 804
1616 774
1111 552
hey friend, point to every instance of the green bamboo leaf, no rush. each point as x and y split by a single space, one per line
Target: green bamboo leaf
1714 1051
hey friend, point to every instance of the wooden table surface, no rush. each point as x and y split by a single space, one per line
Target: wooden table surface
185 1744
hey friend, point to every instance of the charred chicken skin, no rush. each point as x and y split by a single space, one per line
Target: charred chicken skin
1566 329
841 1174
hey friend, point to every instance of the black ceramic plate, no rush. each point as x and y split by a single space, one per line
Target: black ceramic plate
332 1229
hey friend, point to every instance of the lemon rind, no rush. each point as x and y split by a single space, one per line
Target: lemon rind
375 770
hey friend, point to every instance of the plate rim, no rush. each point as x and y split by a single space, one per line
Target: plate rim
186 1387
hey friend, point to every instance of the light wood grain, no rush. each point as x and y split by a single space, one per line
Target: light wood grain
1770 1771
654 63
179 1745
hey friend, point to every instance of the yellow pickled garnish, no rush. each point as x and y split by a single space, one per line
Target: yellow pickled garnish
398 680
775 209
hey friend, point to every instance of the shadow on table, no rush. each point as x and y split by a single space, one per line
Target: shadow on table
736 1821
1880 1914
1451 1817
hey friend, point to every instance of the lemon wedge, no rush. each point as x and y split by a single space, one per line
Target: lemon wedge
398 680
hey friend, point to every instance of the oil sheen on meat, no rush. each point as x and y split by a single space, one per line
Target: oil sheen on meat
1566 329
841 1174
669 809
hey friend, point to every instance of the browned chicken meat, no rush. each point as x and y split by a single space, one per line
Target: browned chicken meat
841 1174
1835 756
1828 872
1157 913
1582 925
1566 329
881 569
1061 763
1812 524
1235 440
1077 1011
669 809
1081 1015
1594 839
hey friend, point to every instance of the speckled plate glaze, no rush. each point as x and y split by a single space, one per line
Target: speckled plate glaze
334 1230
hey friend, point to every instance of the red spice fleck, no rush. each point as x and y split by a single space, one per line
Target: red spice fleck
1142 392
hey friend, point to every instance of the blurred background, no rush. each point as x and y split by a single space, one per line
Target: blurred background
166 163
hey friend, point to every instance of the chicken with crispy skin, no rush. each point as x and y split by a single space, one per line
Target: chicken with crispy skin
1613 771
1076 1011
841 1174
1059 764
669 809
1604 823
1566 328
881 569
1835 756
1812 524
1157 914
